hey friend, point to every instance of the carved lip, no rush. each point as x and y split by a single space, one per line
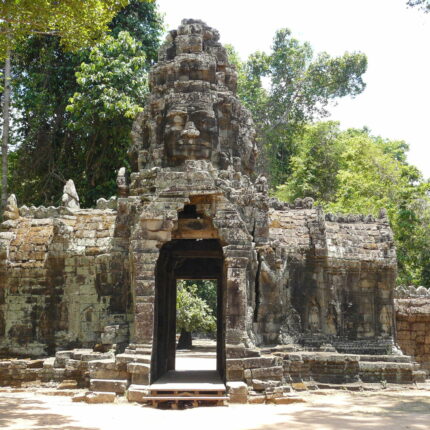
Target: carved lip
191 143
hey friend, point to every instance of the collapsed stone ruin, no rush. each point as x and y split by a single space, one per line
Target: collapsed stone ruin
302 295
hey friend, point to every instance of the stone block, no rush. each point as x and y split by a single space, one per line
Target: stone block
108 385
299 386
256 399
79 398
139 379
136 393
61 357
100 397
235 375
255 362
138 368
234 364
108 374
237 388
49 362
259 385
419 376
67 384
238 398
274 373
124 359
287 400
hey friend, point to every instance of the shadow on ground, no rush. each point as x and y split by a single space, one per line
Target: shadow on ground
378 414
23 414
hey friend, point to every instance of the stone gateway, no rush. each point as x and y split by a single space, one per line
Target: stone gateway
301 294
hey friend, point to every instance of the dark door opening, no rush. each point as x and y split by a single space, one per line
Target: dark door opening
185 260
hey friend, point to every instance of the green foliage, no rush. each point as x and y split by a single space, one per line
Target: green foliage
314 168
113 85
354 172
79 23
44 77
11 161
143 22
302 85
88 143
206 290
369 177
103 94
192 312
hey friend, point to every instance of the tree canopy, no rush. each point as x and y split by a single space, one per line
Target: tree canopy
193 313
88 140
79 23
353 171
301 85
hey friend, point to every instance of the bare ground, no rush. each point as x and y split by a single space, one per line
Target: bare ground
322 410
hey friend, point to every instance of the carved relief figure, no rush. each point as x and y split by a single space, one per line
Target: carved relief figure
314 319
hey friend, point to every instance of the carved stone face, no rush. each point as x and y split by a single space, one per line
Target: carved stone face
190 133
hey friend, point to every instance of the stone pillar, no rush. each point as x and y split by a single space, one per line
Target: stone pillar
143 287
145 249
236 302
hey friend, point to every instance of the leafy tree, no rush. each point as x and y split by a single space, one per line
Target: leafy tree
353 171
315 166
192 314
77 23
57 144
113 85
369 177
44 79
302 85
412 231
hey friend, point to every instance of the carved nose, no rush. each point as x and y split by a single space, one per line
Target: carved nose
190 130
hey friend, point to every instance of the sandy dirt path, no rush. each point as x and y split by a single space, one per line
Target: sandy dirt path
336 410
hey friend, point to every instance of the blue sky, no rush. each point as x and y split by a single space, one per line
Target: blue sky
395 39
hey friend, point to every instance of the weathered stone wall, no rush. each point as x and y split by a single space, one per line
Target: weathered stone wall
339 276
62 280
413 323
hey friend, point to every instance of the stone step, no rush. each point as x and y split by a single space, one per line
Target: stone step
109 374
95 397
387 358
419 375
139 373
106 369
82 354
400 373
381 365
137 350
124 359
109 385
136 393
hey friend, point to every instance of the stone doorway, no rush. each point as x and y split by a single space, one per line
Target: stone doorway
185 259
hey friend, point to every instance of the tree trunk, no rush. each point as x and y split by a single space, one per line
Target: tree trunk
185 340
6 125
